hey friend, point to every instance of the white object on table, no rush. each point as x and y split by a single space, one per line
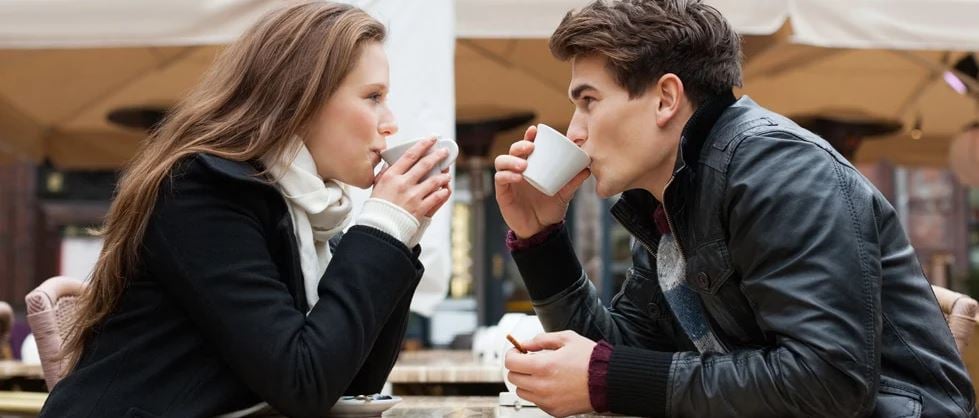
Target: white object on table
350 406
28 351
525 329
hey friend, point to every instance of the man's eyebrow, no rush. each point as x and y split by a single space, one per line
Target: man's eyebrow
576 92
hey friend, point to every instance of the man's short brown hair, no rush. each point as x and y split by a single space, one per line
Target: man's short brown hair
645 39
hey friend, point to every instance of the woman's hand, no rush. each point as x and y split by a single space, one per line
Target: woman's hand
402 183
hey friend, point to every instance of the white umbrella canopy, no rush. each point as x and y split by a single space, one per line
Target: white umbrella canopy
64 65
903 86
894 24
788 78
54 103
502 61
55 97
801 57
517 74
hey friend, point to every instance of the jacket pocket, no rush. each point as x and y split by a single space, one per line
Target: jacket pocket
709 267
646 313
710 274
643 287
895 402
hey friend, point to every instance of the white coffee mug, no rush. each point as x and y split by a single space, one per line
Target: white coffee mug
554 162
498 343
524 330
392 154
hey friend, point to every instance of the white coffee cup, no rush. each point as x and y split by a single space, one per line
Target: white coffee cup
526 328
554 162
392 154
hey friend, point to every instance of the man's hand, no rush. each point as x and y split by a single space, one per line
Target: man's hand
526 210
554 375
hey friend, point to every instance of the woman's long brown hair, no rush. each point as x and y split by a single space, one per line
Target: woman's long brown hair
261 92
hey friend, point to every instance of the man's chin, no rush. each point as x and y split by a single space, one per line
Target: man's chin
602 190
608 187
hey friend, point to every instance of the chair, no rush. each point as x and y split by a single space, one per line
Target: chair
6 325
960 312
50 312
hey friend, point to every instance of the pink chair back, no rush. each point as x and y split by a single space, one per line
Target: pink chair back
50 313
960 312
6 324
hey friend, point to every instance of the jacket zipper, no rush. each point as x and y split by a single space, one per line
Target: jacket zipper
669 222
631 229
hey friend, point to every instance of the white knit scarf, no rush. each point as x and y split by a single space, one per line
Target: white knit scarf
319 209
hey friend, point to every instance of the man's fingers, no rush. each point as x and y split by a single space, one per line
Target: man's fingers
567 192
531 133
522 149
525 381
507 177
528 395
516 361
547 341
508 162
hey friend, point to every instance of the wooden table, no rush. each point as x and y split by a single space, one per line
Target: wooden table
21 403
12 368
444 373
15 375
429 366
479 406
30 403
442 366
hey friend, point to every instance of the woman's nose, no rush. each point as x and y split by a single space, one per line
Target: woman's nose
387 129
388 126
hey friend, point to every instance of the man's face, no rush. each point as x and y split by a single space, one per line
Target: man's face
621 135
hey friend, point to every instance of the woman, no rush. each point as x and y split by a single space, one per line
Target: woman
207 296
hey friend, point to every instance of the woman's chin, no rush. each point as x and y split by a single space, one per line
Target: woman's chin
364 183
363 180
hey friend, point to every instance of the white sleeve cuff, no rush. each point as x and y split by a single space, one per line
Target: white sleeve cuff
389 218
421 231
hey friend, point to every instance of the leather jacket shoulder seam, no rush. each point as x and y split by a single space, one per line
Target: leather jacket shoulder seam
869 339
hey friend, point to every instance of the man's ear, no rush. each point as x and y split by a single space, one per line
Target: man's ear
669 89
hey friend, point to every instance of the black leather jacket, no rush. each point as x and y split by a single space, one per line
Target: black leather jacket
803 269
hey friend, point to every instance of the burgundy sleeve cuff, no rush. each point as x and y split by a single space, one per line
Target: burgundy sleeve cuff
598 376
516 244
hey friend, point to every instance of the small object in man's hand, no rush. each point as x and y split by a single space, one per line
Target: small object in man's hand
516 344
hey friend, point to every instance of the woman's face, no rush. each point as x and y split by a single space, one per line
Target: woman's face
347 136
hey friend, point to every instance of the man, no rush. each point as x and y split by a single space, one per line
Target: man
770 278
